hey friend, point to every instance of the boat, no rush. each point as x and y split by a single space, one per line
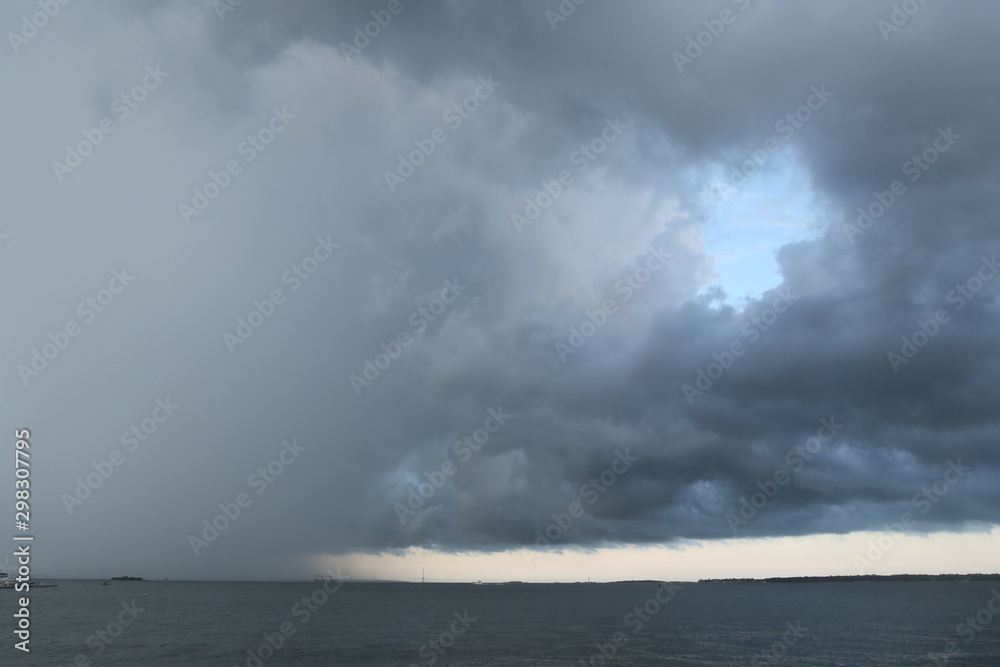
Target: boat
126 578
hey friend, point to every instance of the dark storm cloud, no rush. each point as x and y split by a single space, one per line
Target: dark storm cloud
818 350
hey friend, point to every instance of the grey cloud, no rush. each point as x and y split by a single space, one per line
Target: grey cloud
495 345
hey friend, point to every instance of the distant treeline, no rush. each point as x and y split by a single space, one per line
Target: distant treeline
863 577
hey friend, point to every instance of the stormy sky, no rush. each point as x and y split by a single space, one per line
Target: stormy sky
474 278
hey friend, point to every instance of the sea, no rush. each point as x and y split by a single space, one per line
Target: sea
246 624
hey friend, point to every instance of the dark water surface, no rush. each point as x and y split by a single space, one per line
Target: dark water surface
198 623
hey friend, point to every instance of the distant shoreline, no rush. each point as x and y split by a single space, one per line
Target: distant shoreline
860 577
977 577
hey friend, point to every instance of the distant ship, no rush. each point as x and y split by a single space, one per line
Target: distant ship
126 578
